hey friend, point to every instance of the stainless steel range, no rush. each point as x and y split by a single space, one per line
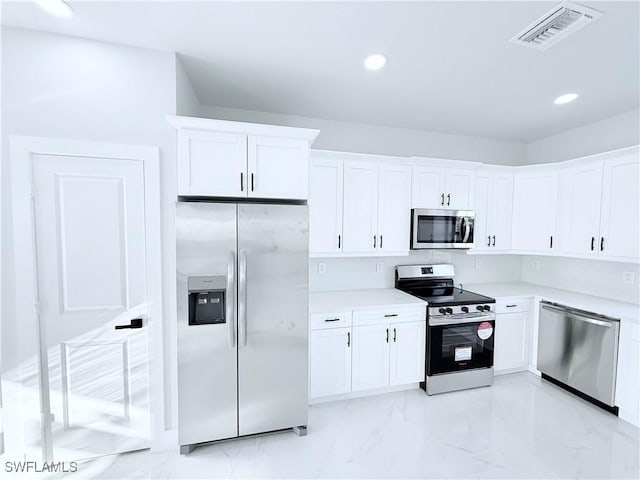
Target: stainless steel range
460 328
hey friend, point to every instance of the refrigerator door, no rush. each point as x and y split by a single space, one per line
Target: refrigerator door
273 272
207 346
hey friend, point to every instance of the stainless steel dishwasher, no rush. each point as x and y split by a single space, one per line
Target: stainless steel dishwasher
579 351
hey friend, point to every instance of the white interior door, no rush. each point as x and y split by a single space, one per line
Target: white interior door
90 241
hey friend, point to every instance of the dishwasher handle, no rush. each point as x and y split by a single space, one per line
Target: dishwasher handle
580 315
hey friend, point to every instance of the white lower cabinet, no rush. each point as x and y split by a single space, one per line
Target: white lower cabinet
330 361
627 380
384 347
511 345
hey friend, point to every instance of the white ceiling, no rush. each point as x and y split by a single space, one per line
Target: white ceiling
451 67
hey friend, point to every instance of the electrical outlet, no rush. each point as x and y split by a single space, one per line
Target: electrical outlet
322 268
379 267
535 265
628 278
477 263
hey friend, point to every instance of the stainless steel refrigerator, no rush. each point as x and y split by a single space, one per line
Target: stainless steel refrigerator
242 279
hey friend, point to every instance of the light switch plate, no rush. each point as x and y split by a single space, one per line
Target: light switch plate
379 267
535 265
629 278
477 263
322 268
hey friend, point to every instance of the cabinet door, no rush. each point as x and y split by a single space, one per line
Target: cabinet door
330 362
212 164
407 352
501 215
278 168
370 357
534 212
360 217
325 206
579 208
394 208
510 345
620 227
459 187
481 233
627 385
427 189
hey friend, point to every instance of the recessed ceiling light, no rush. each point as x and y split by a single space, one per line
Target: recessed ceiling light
375 61
57 8
566 98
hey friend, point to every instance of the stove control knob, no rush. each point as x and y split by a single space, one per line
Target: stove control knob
487 308
442 311
449 310
465 309
480 308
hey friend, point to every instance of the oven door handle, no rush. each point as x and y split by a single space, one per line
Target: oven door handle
443 321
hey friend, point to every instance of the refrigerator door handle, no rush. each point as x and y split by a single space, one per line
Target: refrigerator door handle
231 268
242 298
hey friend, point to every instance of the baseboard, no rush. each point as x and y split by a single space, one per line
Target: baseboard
363 393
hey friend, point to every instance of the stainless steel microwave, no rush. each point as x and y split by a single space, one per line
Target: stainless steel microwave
441 228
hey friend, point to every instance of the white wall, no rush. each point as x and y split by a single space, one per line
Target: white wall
591 277
360 273
363 138
609 134
64 87
187 102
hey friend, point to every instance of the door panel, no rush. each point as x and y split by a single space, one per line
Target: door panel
482 234
510 349
459 186
535 205
330 367
621 208
207 354
407 353
325 206
89 216
427 187
394 208
501 210
272 355
360 207
370 357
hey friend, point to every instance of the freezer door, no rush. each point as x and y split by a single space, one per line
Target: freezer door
273 272
207 346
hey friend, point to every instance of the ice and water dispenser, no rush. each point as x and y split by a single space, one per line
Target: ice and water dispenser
207 297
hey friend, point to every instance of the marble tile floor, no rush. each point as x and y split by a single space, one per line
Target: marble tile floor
521 427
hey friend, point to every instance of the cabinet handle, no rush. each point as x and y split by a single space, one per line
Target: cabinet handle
252 182
593 240
551 241
338 241
380 241
494 241
331 319
448 199
348 339
511 306
387 335
394 335
488 240
391 315
601 244
442 199
241 181
374 241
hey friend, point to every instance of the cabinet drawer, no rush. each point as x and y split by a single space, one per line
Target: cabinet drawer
330 320
392 313
513 305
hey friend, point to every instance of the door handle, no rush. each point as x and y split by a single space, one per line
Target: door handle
339 241
374 241
252 182
494 241
442 199
551 241
394 334
331 319
242 300
231 268
134 323
601 244
387 335
391 315
448 199
380 241
348 339
242 181
593 240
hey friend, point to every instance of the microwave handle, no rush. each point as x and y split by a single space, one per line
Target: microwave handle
465 230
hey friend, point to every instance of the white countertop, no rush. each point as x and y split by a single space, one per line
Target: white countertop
320 302
604 306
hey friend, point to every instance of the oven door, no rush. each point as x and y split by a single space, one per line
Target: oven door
441 228
460 346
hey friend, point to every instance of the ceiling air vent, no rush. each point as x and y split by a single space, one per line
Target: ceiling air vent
555 25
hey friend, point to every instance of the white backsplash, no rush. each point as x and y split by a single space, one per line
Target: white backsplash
360 272
591 277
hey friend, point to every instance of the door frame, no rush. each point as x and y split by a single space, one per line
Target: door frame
21 149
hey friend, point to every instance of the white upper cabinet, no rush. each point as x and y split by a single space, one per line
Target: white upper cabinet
394 208
534 209
360 217
620 224
442 187
494 209
325 206
232 159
